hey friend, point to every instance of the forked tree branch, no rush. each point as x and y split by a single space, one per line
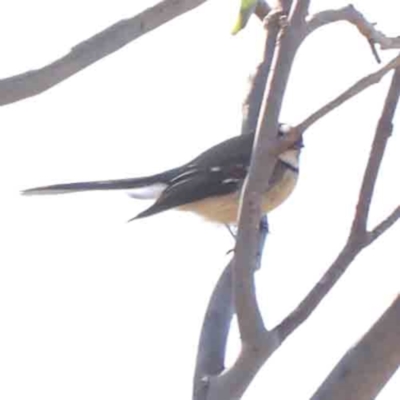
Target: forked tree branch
220 310
383 133
382 227
359 238
249 317
214 332
259 344
368 366
263 159
250 322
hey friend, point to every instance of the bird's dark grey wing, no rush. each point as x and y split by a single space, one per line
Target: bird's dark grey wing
197 185
236 150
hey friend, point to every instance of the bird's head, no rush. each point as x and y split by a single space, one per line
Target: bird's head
291 155
284 130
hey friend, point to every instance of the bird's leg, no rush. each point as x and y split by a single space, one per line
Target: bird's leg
231 230
263 232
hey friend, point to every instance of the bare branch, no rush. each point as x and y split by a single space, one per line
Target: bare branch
353 16
215 329
374 51
318 292
250 322
255 95
249 317
214 334
354 90
262 9
211 351
383 132
284 5
88 52
384 225
368 366
358 238
232 384
257 343
34 82
299 12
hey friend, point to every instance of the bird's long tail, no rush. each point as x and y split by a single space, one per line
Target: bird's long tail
118 184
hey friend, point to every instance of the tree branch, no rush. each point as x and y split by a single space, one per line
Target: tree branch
214 334
263 160
354 17
383 132
216 324
384 225
88 52
249 317
257 343
215 329
367 29
262 9
354 90
358 238
368 366
252 104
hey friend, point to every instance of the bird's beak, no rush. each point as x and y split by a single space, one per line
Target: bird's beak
299 144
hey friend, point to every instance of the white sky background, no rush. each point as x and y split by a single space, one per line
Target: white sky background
94 308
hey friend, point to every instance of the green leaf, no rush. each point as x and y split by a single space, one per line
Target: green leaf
247 8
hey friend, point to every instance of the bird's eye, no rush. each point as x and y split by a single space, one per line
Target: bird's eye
283 129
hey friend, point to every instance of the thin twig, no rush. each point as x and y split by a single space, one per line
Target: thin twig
317 293
374 51
383 226
354 90
255 95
